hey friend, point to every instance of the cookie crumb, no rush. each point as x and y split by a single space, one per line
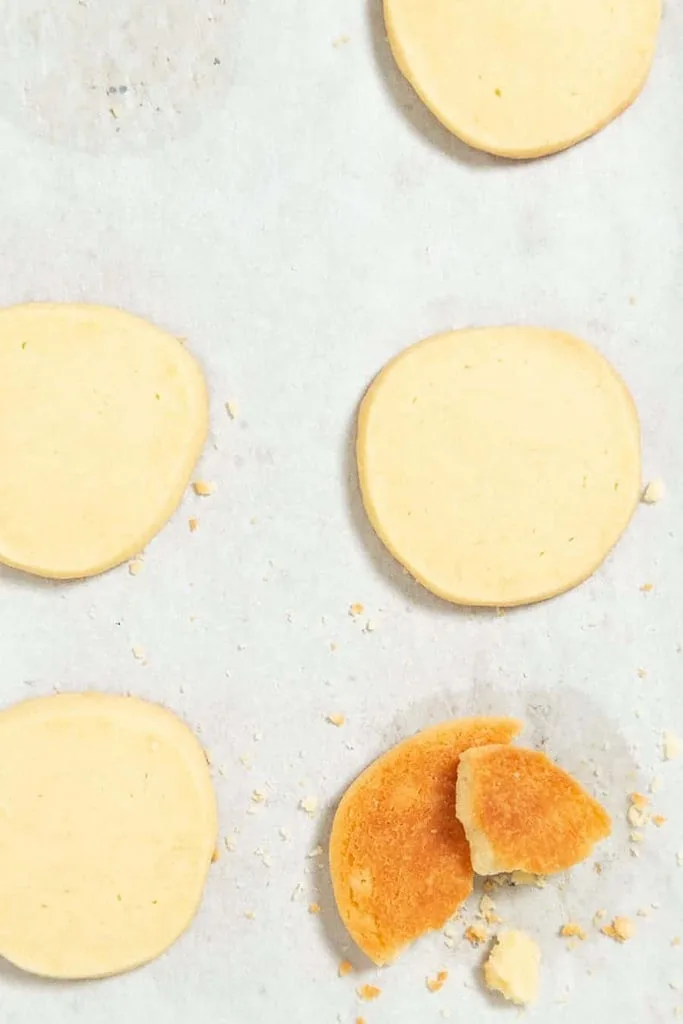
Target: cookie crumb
215 856
621 929
513 967
193 523
369 992
526 878
487 910
476 934
437 983
317 852
572 930
135 567
230 844
258 796
314 908
671 745
636 818
309 804
345 967
138 652
642 673
340 41
639 801
679 858
203 488
653 492
599 916
232 409
658 820
646 588
335 719
356 609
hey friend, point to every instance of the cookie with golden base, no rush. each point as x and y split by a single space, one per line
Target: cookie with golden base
399 859
520 812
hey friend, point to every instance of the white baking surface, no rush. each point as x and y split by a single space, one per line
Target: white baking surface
296 213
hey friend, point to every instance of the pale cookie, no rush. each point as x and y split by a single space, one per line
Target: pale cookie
107 830
500 465
102 419
526 78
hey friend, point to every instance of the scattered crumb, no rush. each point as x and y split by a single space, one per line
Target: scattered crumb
232 409
642 673
138 652
676 941
345 967
647 587
597 867
572 930
636 818
437 983
245 760
360 1020
525 878
487 910
658 820
671 745
285 834
317 852
135 567
636 837
513 967
369 626
356 609
656 784
340 41
215 855
679 858
313 908
203 488
230 844
250 915
476 934
643 912
653 492
621 929
369 992
193 523
638 800
333 647
599 916
309 804
335 719
258 797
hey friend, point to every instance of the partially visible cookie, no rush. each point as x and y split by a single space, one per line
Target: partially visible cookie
107 831
399 859
521 812
526 78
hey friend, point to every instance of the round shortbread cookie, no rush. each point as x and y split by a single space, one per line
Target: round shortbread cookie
499 465
527 78
107 829
102 419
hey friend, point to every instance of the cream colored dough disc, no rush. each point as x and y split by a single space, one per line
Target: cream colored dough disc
499 465
107 829
522 78
102 418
